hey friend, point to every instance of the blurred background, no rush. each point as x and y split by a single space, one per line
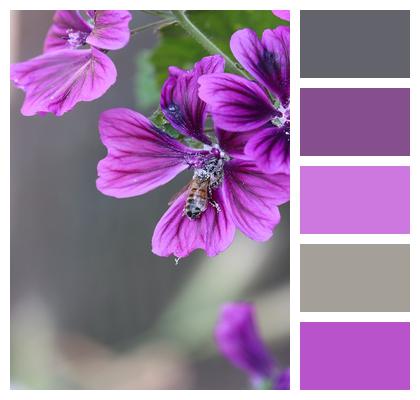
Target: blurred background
91 306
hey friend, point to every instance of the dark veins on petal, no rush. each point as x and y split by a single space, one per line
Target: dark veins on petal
251 101
186 117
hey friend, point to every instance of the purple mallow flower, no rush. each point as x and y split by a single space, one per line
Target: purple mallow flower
238 339
240 105
227 191
73 66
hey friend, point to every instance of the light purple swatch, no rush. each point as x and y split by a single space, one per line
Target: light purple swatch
355 355
355 122
358 200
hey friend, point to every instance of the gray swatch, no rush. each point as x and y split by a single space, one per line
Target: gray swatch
355 277
355 44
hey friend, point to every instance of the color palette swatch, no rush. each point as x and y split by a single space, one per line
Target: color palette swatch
355 200
355 122
355 277
362 197
355 44
350 355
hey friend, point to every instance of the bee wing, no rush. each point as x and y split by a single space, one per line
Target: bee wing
179 193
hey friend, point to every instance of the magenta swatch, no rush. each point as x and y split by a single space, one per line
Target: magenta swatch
355 122
358 200
355 355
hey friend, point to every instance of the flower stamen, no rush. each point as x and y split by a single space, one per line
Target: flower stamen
283 115
76 39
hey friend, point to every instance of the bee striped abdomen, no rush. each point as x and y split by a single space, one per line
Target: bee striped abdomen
197 199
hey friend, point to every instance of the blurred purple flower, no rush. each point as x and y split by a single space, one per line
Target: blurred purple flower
142 157
282 382
282 14
238 339
240 105
67 72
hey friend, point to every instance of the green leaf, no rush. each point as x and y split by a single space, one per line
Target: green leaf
177 48
160 121
147 90
158 118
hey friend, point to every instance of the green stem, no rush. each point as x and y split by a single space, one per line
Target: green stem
159 24
203 40
159 13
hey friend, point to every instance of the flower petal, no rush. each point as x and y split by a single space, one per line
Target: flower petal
282 14
277 43
270 149
252 197
237 337
266 60
64 23
175 71
140 157
236 104
233 143
56 81
180 102
176 235
282 382
110 30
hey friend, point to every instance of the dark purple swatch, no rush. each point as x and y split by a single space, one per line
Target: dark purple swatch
355 355
355 122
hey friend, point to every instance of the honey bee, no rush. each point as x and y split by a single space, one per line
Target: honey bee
199 190
199 194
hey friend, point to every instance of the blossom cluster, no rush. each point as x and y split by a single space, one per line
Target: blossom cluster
240 170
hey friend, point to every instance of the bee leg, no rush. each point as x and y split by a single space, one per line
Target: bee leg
215 205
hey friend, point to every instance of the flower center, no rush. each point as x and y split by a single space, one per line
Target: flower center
76 39
283 116
282 119
210 168
211 172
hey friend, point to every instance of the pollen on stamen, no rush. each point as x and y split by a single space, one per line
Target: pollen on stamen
283 116
76 38
278 121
